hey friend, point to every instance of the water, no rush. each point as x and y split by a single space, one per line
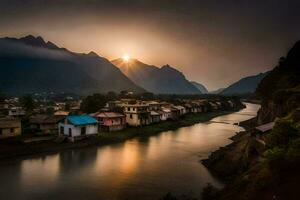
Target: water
136 169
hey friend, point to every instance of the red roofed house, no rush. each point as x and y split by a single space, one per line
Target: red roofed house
110 121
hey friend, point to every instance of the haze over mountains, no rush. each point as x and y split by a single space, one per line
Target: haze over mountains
200 87
30 64
245 85
164 80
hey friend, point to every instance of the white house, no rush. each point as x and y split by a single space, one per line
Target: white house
137 114
16 112
78 125
181 109
166 114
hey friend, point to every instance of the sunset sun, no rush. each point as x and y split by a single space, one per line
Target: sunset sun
125 58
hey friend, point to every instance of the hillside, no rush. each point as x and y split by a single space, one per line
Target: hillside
164 80
30 65
245 85
269 169
200 87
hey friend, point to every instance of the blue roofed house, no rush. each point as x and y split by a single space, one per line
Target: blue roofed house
78 126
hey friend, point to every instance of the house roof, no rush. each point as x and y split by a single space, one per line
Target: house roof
45 119
61 112
179 107
135 105
265 127
79 120
154 113
108 115
166 110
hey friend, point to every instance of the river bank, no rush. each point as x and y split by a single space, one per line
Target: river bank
14 148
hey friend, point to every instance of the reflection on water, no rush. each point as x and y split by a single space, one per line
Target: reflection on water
143 168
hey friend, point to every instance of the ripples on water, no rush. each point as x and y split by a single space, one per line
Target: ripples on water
137 169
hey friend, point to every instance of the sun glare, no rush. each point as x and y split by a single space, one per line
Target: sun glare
126 58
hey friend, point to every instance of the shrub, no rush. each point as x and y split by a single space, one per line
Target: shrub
282 134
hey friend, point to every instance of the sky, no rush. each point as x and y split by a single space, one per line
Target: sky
212 42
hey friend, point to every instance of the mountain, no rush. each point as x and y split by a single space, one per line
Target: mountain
30 65
268 167
245 85
200 87
164 80
217 91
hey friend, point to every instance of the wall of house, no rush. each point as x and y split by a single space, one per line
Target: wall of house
76 130
10 132
155 118
48 128
113 121
134 120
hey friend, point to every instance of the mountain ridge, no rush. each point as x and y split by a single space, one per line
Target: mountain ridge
200 87
159 80
245 85
34 65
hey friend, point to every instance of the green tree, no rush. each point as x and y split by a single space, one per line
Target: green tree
111 95
93 103
147 96
67 106
28 103
2 97
282 134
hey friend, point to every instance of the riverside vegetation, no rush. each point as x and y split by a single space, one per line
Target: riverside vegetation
270 171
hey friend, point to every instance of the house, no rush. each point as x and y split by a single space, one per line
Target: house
163 116
110 121
78 126
137 114
182 110
16 112
175 113
45 123
61 113
10 127
195 108
154 106
264 128
4 107
188 107
111 105
155 116
213 105
260 131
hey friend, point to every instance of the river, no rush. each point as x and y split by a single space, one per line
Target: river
142 168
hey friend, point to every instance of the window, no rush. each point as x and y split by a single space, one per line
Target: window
1 131
12 130
70 132
130 116
128 109
133 109
83 130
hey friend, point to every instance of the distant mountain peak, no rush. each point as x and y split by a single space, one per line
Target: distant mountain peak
93 54
34 41
200 87
245 85
164 80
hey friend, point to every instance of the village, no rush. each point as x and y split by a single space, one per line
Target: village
66 121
